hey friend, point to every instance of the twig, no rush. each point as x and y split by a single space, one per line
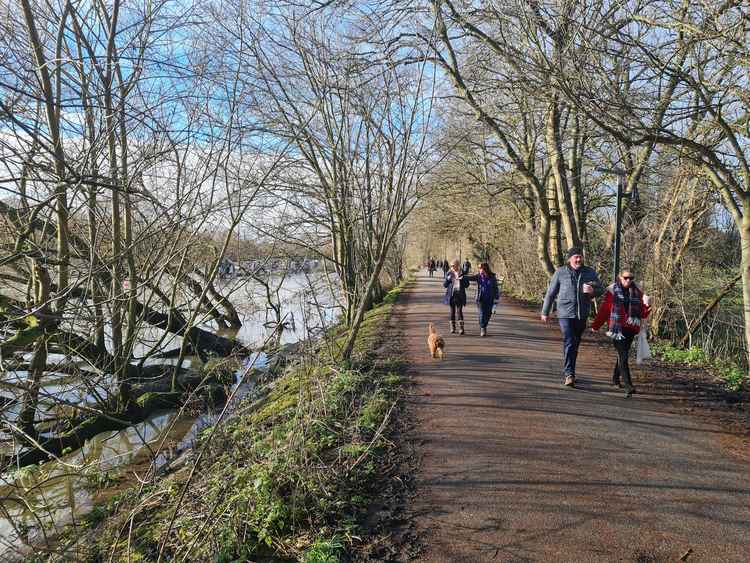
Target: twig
374 438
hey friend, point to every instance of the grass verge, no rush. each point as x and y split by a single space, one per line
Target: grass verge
733 378
290 477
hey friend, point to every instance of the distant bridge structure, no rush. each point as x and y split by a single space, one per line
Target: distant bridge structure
267 266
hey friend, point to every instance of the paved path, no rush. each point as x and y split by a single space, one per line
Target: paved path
517 468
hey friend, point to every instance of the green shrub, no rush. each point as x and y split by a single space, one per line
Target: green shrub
324 551
393 380
693 356
734 377
373 414
392 295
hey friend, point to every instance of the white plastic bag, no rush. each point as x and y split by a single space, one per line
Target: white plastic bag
643 351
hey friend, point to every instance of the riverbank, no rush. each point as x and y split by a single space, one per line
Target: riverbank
291 476
41 500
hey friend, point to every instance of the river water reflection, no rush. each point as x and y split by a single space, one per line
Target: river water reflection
39 501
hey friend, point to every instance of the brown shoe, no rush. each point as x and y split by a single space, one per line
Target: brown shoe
570 381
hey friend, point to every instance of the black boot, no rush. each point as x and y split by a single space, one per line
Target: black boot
616 376
453 327
460 327
628 384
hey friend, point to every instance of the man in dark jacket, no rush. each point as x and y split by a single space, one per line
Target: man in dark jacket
573 286
466 268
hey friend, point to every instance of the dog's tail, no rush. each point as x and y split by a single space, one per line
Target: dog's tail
431 329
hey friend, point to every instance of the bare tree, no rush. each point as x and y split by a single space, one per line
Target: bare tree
677 80
359 125
117 171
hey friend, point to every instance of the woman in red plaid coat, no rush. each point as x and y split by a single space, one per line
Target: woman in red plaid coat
624 309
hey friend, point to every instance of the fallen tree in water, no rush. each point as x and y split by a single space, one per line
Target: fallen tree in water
141 389
151 395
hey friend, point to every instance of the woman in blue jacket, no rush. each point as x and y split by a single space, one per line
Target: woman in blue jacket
488 294
455 285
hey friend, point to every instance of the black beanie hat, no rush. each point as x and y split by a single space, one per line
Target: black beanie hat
573 251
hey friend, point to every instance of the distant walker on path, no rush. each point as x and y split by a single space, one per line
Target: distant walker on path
455 285
488 294
573 286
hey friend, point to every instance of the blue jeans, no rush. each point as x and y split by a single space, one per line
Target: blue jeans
485 312
572 330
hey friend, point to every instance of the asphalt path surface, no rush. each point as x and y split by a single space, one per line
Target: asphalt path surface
516 467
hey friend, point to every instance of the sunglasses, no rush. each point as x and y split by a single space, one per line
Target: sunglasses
627 277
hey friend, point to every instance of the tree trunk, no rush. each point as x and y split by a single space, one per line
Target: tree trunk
557 162
745 272
362 309
53 122
41 283
37 368
575 163
555 244
542 244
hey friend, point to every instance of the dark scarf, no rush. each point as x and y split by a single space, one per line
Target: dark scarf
634 310
485 281
485 284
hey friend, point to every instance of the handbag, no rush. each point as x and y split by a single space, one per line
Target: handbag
643 350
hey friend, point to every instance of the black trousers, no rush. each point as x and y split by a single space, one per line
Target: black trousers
622 369
456 308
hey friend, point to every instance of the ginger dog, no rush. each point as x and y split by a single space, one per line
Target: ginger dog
435 343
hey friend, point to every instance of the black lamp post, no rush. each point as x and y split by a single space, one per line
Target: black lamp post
632 196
